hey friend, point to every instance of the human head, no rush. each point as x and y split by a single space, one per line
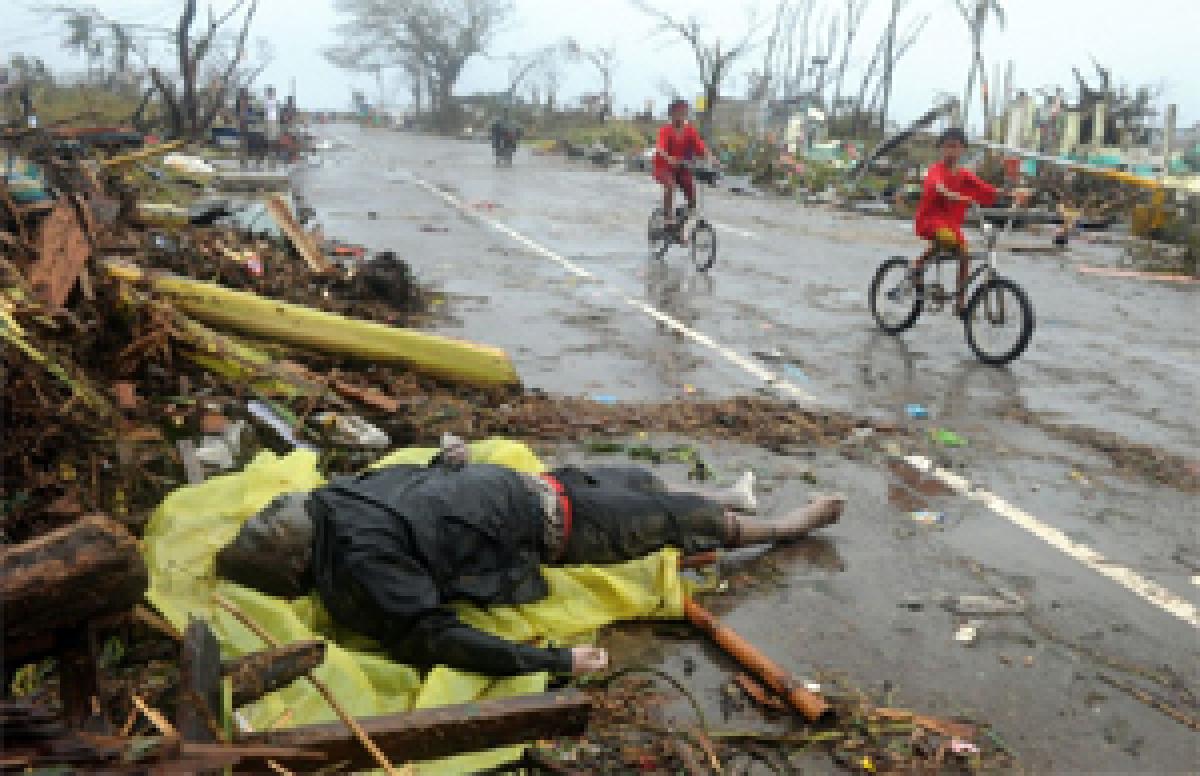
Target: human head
952 144
678 111
270 91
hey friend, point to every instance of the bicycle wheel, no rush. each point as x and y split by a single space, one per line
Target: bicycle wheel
893 298
704 246
656 234
999 321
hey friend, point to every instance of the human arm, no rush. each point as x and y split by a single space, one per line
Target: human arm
391 587
439 637
976 189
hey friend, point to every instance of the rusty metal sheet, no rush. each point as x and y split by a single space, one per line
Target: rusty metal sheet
63 250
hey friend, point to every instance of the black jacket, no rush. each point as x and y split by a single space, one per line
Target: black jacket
393 546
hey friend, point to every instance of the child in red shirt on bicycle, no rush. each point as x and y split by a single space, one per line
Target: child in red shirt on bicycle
948 193
678 142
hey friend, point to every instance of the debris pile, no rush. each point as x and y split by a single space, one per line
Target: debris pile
631 731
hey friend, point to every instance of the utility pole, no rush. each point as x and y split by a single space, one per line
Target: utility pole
888 55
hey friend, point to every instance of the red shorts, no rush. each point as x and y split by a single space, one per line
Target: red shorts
681 178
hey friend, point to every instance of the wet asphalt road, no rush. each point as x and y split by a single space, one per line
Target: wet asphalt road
1109 355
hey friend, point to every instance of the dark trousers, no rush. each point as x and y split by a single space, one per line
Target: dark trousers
622 513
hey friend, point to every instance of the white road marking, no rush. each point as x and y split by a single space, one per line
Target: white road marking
1145 589
1150 591
787 388
734 230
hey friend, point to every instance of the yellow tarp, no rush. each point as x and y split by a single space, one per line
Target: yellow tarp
189 527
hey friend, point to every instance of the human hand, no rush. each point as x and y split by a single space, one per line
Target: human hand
588 660
454 450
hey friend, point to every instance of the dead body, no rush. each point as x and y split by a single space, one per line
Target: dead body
387 550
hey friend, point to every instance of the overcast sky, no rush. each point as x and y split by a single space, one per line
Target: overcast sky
1142 41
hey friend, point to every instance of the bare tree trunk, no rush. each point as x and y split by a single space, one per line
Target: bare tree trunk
218 98
981 68
966 107
187 67
854 12
417 78
889 64
711 97
859 105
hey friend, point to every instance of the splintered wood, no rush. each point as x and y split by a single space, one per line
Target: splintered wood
64 250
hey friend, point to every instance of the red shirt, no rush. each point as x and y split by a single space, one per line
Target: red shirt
937 211
684 144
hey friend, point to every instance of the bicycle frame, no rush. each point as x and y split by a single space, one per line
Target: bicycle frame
987 262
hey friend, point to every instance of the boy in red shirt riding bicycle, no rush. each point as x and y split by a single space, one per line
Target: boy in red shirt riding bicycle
948 192
678 142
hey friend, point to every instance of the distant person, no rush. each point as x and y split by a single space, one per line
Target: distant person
271 111
243 112
948 192
678 144
25 95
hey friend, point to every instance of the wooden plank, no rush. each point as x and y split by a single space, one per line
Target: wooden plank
259 673
301 240
431 733
62 579
199 713
367 395
63 250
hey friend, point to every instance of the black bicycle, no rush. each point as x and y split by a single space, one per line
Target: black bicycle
702 238
998 318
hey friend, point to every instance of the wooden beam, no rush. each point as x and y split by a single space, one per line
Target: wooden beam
431 733
259 673
199 715
301 240
63 579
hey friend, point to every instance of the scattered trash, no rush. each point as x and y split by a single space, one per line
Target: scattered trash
982 605
967 634
1080 477
604 398
795 373
947 438
430 229
926 517
271 418
959 746
770 356
916 411
861 434
352 430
